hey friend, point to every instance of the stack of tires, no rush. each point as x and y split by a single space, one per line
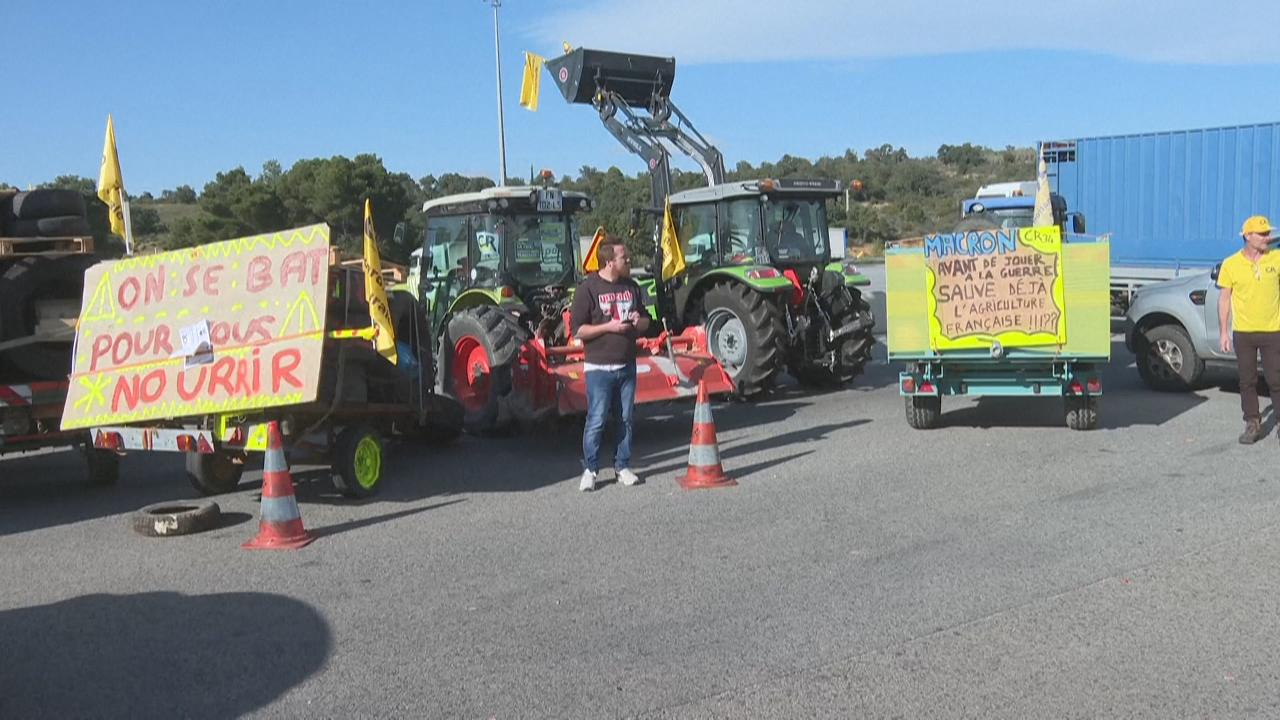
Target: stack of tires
45 214
29 282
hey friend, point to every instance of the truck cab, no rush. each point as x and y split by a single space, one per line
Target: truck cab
1017 211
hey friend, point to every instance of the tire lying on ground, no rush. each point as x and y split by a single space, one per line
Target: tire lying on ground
179 517
48 203
26 283
61 226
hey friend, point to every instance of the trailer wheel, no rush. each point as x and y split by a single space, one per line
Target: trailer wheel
359 453
176 518
215 473
923 411
1167 361
103 466
1082 412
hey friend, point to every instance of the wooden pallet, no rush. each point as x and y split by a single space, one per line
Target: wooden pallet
22 247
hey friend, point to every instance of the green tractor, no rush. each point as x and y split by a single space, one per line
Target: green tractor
760 274
498 268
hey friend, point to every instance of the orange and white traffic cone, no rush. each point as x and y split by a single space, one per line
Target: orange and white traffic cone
280 526
704 450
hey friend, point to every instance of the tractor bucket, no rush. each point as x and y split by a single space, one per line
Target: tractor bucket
553 379
635 78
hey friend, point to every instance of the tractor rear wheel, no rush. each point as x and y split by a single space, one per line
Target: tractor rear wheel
482 345
746 336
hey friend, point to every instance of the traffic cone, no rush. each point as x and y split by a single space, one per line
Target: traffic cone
704 450
280 526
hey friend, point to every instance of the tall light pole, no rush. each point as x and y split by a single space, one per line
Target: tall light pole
502 134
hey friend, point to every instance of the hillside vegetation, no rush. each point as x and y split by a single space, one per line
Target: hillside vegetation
902 196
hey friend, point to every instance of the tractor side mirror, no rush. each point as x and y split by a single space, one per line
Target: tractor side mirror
1077 223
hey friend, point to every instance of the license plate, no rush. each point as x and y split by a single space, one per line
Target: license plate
550 200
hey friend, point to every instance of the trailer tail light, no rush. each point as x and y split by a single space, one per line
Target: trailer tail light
508 291
1094 385
108 441
762 274
909 385
186 443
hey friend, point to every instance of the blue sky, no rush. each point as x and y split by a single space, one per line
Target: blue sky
200 87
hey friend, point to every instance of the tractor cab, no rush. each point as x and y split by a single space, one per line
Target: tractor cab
515 247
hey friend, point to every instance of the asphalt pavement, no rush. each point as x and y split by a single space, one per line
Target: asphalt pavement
1000 566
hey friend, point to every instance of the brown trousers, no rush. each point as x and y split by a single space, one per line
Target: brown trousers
1247 346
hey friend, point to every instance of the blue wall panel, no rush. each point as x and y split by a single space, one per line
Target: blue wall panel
1171 196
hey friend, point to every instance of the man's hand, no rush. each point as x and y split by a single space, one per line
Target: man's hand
588 332
1224 342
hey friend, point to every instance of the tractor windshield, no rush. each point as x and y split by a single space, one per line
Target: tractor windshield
796 231
543 249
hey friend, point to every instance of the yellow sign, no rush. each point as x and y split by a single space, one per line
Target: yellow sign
989 286
375 291
591 262
532 81
224 327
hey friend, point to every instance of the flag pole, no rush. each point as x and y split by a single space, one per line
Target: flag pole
128 223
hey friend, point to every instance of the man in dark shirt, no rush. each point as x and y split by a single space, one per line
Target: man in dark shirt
608 315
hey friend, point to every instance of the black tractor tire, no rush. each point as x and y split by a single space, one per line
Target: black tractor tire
48 203
762 336
213 473
62 226
1181 372
1082 412
176 518
923 411
26 282
360 454
975 223
501 337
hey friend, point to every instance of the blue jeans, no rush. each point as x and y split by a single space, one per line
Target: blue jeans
609 393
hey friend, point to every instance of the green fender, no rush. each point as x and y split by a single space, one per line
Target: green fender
484 296
851 279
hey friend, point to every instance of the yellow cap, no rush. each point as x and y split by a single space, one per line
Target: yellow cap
1256 224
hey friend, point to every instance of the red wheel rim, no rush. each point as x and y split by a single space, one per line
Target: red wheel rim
471 373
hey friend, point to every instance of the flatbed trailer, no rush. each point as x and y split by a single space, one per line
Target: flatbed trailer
1060 357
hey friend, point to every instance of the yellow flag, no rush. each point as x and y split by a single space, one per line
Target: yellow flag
1043 216
375 291
672 255
532 81
110 183
591 262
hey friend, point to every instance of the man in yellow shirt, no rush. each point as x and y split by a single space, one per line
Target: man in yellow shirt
1250 282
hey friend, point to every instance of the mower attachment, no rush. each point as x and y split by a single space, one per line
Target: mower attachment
667 368
635 78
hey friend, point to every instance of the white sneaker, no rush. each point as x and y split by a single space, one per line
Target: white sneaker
588 481
626 477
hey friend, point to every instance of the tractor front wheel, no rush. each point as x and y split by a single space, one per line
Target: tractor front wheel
746 336
482 345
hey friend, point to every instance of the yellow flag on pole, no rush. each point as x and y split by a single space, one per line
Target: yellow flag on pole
1043 216
672 255
532 81
375 291
110 182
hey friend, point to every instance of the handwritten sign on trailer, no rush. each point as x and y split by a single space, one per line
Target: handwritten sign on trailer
995 285
230 326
